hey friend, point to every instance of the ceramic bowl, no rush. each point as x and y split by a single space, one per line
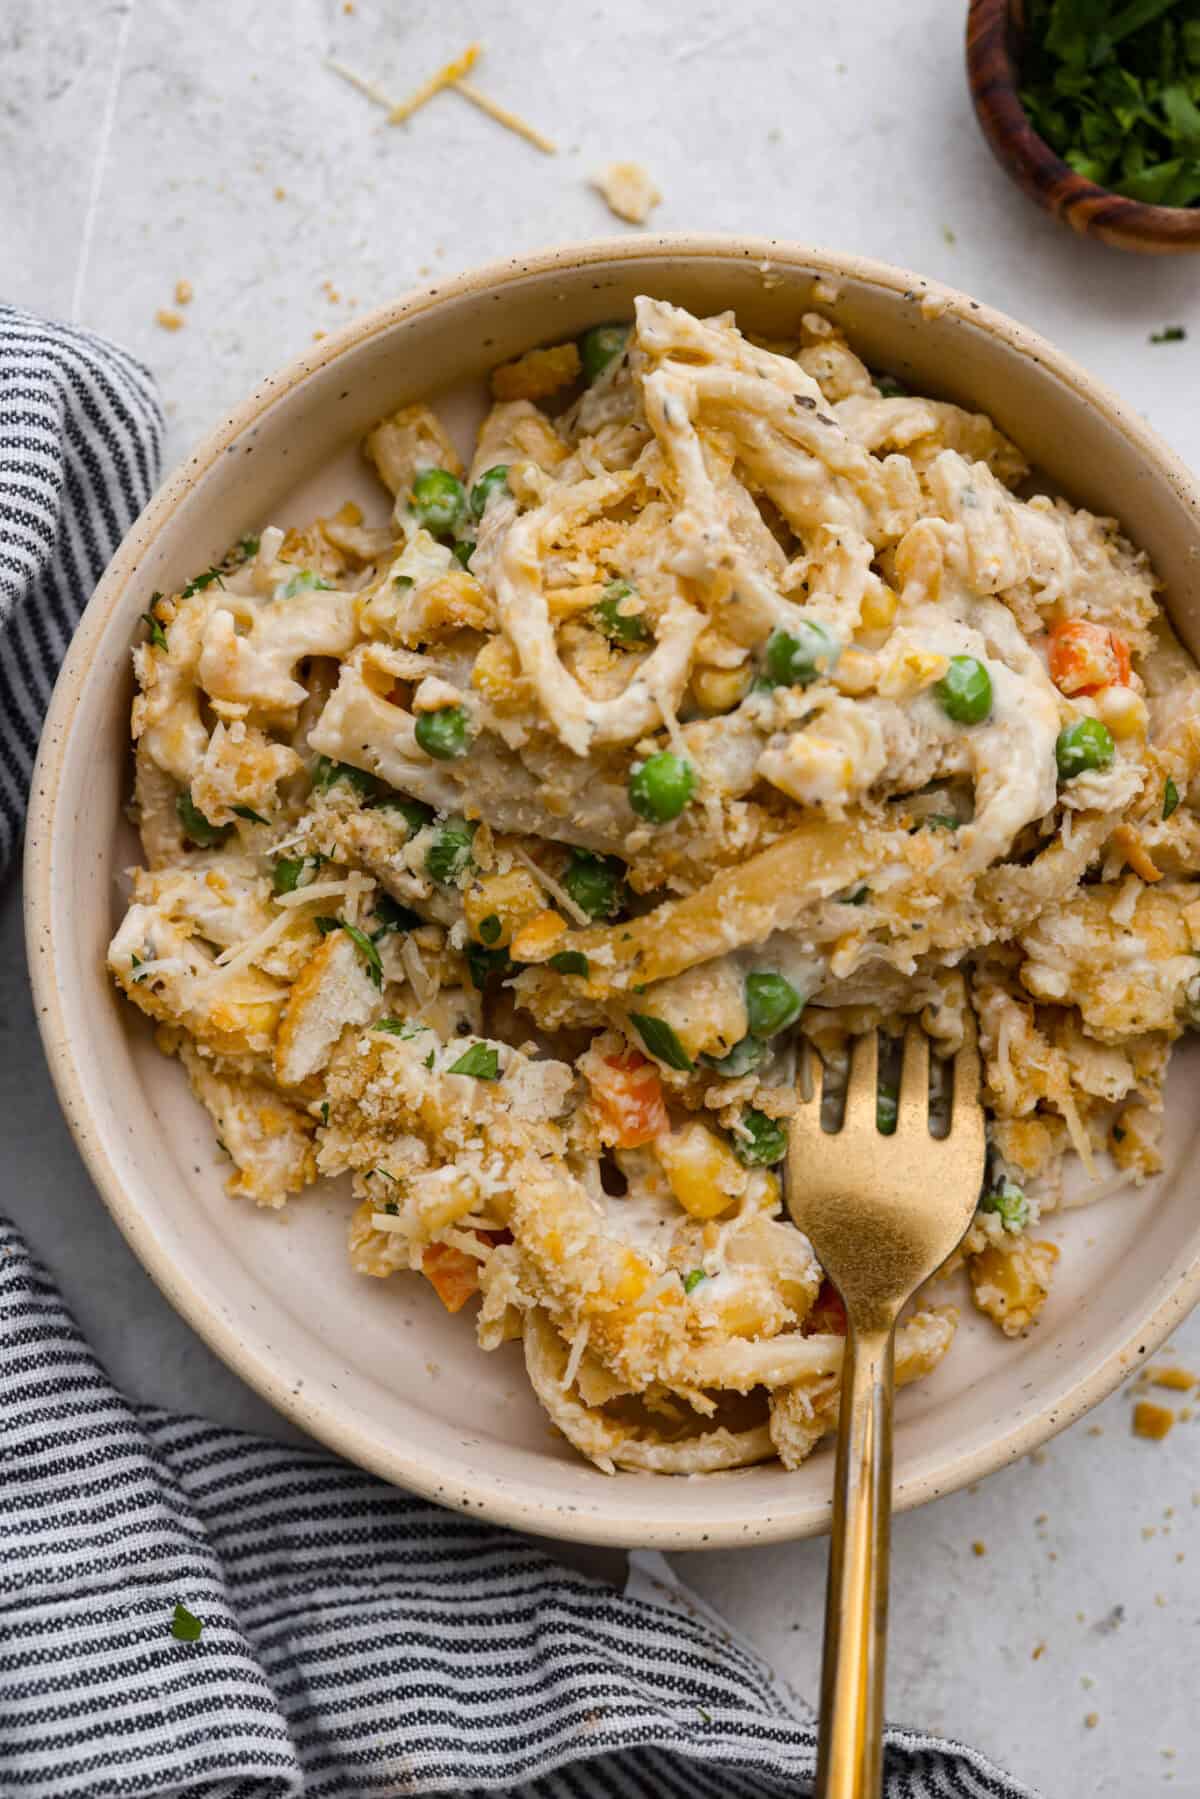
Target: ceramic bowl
376 1369
994 29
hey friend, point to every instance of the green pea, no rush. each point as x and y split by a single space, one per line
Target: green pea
595 883
450 852
327 773
772 1003
798 657
619 626
443 734
438 500
415 814
661 786
965 691
1085 744
1008 1201
599 346
742 1059
765 1143
492 480
197 829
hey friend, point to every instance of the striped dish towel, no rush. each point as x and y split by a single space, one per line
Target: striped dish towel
189 1611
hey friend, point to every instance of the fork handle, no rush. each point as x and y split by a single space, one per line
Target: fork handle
850 1753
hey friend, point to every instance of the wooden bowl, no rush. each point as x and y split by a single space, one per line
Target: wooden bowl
378 1369
994 29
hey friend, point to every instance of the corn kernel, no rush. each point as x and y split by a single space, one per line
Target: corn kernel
721 689
909 672
535 940
502 903
878 607
497 676
1123 711
702 1172
855 672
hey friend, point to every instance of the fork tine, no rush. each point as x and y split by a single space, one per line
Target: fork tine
966 1077
913 1106
861 1095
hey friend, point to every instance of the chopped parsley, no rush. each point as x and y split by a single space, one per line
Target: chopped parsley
692 1281
1170 334
942 821
661 1041
490 929
366 950
158 636
858 898
248 812
486 965
185 1626
198 583
570 961
400 1027
325 1111
1170 798
291 872
482 1060
135 962
325 924
196 828
393 917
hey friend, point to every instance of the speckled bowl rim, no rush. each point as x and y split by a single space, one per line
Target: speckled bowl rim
448 1479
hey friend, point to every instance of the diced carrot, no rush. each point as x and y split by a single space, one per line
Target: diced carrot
452 1273
1085 657
828 1314
629 1094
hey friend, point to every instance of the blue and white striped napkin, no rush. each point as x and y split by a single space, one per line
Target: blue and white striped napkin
189 1611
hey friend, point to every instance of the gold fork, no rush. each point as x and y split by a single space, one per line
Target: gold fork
882 1213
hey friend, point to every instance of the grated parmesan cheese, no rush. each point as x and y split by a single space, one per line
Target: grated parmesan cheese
578 1344
558 894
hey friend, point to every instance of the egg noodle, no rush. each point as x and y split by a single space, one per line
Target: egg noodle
513 856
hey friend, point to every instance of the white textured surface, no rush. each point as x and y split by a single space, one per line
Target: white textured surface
142 146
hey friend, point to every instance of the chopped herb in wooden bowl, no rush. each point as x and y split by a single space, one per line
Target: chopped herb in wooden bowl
1114 87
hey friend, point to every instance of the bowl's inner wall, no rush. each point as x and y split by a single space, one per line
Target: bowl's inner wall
393 1380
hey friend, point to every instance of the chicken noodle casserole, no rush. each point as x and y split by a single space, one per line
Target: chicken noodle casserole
508 855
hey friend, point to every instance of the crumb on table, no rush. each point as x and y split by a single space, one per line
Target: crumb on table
1150 1420
183 293
170 321
627 191
1181 1380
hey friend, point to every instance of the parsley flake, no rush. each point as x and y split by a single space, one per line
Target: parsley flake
158 636
185 1626
482 1060
1170 798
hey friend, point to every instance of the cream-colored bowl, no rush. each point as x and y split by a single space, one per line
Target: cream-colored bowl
377 1369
